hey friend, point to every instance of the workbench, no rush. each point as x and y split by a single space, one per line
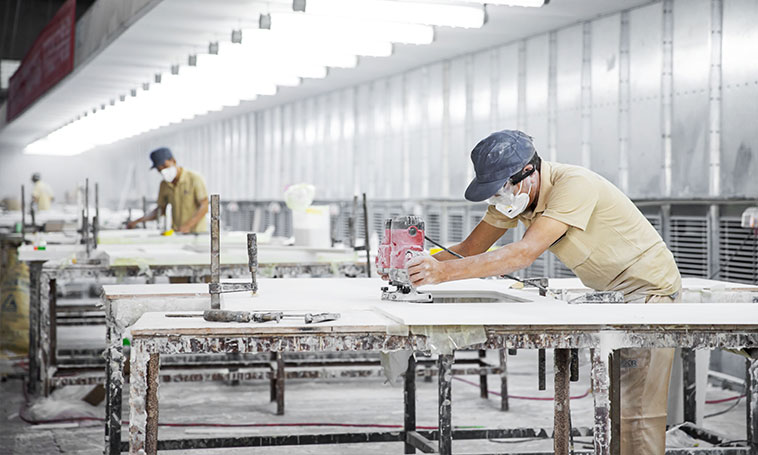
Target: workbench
69 263
506 318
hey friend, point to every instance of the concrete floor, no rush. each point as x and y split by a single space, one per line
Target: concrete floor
355 401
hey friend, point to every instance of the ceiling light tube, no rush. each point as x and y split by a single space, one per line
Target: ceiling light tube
428 13
394 32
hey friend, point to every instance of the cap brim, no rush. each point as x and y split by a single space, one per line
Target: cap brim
477 192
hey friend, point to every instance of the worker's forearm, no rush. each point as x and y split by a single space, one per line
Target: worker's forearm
445 256
508 259
150 216
198 215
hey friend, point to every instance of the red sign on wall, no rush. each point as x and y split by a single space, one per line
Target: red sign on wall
50 58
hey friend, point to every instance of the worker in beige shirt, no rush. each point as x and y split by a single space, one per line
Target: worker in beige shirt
596 231
42 194
184 190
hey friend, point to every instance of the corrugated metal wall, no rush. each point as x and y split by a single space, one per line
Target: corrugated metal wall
645 97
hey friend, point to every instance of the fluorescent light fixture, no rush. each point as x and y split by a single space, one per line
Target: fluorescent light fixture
365 29
522 3
428 13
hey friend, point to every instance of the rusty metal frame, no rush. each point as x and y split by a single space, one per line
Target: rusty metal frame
145 346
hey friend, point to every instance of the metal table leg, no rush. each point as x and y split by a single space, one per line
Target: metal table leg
409 398
483 388
445 365
35 272
689 384
600 381
562 425
504 406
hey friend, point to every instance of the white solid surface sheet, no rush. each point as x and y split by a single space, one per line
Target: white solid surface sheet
564 314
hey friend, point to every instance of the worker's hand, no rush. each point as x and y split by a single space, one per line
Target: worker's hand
424 269
384 276
184 229
131 225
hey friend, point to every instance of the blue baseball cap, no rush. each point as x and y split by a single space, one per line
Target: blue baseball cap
497 158
159 156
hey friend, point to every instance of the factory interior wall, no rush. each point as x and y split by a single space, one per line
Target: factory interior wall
634 96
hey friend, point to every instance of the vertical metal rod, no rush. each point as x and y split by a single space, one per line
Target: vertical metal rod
483 390
615 399
366 237
561 409
35 272
86 232
144 211
272 383
602 428
541 369
215 251
689 384
53 324
504 406
409 399
96 220
351 222
751 386
445 367
151 425
280 376
252 259
23 214
574 365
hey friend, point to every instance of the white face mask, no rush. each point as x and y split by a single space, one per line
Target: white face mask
510 201
169 174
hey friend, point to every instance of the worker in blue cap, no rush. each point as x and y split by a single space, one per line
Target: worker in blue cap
596 231
184 190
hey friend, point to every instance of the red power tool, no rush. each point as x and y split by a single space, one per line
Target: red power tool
403 239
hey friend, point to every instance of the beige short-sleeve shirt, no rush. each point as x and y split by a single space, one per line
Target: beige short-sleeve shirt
43 194
185 197
609 244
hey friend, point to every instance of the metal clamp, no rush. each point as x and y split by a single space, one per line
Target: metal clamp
215 287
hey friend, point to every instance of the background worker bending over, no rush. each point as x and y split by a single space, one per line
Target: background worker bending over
184 190
596 231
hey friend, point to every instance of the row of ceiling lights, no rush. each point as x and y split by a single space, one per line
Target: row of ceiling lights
286 48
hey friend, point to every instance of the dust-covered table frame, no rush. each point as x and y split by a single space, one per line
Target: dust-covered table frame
149 344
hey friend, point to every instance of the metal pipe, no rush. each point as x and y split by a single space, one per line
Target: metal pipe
215 251
366 236
23 214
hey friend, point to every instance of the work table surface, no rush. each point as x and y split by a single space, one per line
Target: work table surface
358 300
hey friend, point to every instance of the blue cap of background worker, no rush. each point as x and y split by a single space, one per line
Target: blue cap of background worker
496 158
159 156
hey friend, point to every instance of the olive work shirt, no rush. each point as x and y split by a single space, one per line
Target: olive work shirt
185 197
609 244
43 193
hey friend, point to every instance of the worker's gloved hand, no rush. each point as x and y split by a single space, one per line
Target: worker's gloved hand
424 269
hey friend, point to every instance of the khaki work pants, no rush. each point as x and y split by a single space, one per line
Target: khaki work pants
644 381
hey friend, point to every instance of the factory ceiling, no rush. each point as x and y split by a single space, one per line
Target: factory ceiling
164 33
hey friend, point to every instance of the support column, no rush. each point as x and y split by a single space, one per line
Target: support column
562 416
600 394
114 383
409 397
35 272
689 384
151 425
138 380
751 392
483 389
45 340
445 372
280 376
504 405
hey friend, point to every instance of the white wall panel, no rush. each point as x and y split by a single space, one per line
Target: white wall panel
739 159
691 72
569 95
646 59
507 103
536 91
605 96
